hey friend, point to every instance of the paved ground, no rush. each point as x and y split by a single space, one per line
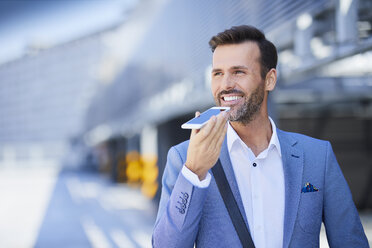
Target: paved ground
47 208
43 207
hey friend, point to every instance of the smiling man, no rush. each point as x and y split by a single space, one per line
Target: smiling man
279 186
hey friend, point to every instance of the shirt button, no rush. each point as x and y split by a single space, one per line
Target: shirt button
254 164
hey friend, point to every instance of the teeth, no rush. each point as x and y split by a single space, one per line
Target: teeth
231 98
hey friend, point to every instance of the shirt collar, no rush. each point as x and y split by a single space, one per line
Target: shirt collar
233 137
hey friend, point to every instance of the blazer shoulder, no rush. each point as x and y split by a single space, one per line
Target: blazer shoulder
182 147
305 141
178 153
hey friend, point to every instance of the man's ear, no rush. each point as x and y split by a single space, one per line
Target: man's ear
270 80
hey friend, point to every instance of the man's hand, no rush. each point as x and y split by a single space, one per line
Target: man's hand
205 145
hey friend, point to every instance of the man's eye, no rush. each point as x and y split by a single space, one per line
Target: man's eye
239 72
217 74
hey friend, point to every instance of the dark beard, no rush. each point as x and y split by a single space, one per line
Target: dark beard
251 106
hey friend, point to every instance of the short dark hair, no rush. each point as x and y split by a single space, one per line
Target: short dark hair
243 33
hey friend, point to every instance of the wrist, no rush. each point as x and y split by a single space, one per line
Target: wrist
201 174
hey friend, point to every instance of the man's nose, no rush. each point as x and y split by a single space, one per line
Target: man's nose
228 82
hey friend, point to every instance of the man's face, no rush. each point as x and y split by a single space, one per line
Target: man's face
236 80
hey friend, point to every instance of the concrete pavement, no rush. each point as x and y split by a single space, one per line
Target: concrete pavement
46 207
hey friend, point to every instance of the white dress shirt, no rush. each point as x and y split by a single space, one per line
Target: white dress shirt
261 184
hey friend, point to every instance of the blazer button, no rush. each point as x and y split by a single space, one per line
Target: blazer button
184 201
185 195
181 210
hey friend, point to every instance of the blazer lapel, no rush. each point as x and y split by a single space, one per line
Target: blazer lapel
230 175
292 158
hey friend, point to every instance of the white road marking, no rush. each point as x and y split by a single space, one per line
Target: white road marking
89 190
82 190
95 235
114 199
73 186
25 193
142 238
121 239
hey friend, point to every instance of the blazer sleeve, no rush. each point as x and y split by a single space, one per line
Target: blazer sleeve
340 216
180 207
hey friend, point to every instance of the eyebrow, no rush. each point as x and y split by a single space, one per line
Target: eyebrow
216 70
233 68
239 67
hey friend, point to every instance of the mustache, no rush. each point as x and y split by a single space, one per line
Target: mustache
224 92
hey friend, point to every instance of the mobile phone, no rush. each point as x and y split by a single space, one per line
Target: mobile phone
203 118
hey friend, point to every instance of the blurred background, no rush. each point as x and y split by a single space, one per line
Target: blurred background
93 94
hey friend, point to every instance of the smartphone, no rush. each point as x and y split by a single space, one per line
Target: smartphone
203 118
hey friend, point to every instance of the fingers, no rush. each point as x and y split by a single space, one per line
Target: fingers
222 121
205 144
213 129
206 130
221 137
218 129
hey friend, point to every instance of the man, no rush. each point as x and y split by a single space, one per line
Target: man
285 184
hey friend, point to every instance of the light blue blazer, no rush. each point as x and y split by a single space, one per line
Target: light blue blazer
190 215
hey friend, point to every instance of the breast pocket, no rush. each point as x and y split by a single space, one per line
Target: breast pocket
310 211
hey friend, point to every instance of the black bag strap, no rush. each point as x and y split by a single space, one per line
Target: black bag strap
232 206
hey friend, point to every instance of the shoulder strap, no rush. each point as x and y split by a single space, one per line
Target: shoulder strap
232 206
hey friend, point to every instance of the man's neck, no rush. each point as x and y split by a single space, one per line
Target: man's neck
256 134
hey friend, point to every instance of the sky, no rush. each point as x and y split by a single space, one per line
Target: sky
47 23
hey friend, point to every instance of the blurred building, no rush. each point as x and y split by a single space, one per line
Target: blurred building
44 97
125 91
